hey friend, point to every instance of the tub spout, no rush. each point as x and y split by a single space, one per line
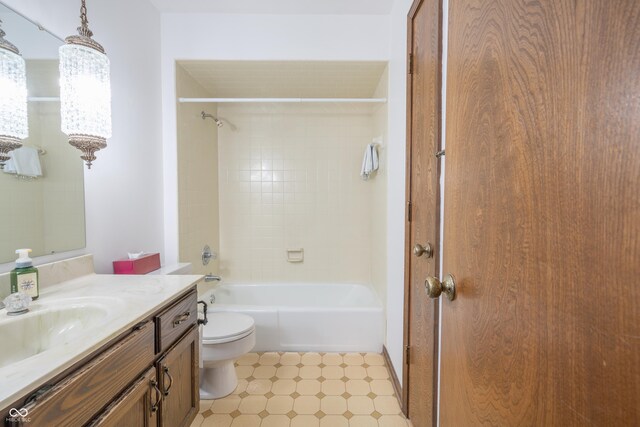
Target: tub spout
212 278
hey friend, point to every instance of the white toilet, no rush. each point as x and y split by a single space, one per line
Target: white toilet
225 338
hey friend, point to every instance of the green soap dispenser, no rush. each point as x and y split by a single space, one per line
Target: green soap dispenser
24 278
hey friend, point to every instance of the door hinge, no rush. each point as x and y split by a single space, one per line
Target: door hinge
409 206
407 353
410 64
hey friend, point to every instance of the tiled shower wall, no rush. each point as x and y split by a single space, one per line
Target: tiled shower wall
290 179
197 177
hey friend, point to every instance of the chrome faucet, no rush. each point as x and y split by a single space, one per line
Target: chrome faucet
212 278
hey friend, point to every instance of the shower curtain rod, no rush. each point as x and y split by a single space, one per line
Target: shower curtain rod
287 100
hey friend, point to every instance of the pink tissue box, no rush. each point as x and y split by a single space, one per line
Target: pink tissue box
143 265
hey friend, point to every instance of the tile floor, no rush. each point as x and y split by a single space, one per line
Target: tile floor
307 390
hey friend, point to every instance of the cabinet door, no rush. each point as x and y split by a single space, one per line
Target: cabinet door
179 379
136 407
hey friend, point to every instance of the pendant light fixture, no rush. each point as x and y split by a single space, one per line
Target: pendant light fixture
14 124
85 91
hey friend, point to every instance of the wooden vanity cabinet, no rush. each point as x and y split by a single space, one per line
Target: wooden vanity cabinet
148 377
166 395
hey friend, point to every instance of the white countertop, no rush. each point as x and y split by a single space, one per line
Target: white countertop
130 299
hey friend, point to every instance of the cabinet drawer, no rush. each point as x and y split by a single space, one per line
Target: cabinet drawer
80 397
175 321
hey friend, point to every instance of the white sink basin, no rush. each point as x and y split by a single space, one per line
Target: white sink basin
49 325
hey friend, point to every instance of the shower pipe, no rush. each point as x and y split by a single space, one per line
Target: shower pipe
287 100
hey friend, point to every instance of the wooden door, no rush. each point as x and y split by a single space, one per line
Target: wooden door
422 226
137 407
542 214
179 370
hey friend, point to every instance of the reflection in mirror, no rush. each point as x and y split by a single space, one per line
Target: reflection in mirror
13 99
42 186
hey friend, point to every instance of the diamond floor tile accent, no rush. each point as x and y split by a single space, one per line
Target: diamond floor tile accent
277 389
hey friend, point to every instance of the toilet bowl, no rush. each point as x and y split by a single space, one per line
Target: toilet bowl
226 337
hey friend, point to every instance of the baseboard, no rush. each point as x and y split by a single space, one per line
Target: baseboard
397 388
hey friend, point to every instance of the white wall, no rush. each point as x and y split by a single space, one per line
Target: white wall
124 188
396 181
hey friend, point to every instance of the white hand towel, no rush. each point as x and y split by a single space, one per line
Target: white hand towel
25 161
10 166
370 162
374 157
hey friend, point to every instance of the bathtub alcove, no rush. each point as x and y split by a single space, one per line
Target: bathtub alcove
269 177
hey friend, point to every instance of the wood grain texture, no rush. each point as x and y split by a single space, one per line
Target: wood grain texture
423 141
79 398
179 370
542 226
133 407
168 330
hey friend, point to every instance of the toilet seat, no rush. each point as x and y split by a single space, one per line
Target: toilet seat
226 327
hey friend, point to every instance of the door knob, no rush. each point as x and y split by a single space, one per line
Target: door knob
419 250
435 288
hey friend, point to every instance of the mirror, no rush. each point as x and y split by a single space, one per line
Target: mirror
46 212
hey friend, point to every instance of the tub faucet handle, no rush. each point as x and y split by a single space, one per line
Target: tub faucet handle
212 278
208 255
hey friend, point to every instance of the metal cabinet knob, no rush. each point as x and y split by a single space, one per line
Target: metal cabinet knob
435 288
419 250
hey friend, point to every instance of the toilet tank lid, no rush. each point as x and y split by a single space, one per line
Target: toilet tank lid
225 324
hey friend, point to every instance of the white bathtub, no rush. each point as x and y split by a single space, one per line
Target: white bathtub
307 317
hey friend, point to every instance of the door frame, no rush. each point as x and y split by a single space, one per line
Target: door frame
415 6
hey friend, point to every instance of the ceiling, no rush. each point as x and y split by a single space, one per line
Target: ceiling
278 7
286 79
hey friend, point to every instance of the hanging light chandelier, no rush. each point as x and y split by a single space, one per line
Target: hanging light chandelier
85 91
14 124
